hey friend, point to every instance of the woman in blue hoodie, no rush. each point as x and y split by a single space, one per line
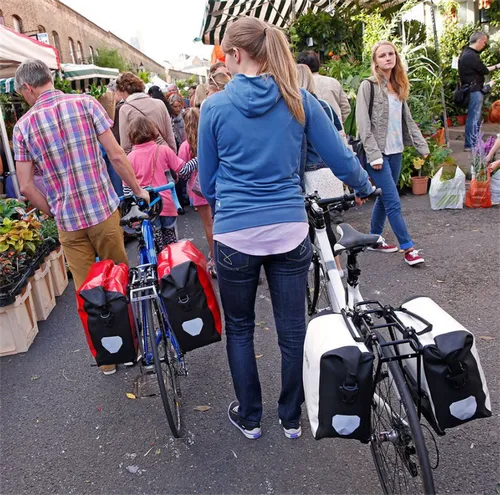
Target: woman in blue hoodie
249 144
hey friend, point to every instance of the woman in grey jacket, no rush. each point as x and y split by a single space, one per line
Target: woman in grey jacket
384 135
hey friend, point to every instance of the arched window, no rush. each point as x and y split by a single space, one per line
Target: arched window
91 55
56 42
41 29
79 53
72 50
17 24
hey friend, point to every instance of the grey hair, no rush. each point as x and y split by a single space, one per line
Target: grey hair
33 72
475 37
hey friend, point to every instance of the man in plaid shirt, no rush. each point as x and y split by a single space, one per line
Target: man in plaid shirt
60 136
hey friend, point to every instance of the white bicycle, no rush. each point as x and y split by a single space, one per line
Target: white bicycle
396 441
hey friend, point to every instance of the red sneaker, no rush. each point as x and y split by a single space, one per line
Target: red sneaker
413 258
384 248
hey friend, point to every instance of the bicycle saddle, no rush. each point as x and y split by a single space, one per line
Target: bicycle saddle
350 238
134 215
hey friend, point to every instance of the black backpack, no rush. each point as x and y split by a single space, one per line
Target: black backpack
461 95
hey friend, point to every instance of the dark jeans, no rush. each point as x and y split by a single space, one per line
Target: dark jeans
238 277
473 122
389 204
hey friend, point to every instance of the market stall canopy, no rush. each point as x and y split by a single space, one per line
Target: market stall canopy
76 72
279 13
16 47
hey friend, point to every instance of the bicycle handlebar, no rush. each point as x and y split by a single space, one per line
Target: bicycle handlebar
165 187
346 198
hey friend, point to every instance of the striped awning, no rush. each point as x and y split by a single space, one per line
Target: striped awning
7 85
75 72
279 13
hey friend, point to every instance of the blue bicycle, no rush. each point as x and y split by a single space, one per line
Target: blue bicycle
160 351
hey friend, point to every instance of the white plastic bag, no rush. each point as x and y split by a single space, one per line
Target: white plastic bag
449 193
495 188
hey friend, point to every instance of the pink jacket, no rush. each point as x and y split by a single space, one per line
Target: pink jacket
185 155
142 157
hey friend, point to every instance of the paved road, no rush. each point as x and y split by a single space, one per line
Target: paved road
68 429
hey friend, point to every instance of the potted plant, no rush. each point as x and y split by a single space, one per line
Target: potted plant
426 167
479 194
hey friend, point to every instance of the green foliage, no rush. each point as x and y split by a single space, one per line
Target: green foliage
145 75
183 85
494 13
20 235
111 58
337 35
63 85
12 264
97 91
11 208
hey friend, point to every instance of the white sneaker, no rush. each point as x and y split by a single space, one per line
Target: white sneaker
291 431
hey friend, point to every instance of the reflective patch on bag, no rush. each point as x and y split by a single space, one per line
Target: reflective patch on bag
193 327
112 344
345 425
464 409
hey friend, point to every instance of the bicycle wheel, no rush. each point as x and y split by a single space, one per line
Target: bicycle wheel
397 442
316 290
165 373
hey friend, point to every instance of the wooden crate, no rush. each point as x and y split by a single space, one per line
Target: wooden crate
18 324
43 291
58 271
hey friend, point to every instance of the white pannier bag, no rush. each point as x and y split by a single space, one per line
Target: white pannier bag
337 377
452 379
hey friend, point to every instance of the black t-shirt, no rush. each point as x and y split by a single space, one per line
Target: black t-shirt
471 69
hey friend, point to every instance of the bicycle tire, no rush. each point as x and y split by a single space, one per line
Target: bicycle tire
399 429
164 372
316 291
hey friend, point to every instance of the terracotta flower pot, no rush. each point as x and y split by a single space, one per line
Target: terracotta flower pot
419 185
438 137
461 119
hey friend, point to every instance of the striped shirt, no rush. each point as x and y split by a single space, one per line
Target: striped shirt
59 135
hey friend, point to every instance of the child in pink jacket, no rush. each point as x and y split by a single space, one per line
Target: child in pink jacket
150 161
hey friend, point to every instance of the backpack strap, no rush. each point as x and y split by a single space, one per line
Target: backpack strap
370 105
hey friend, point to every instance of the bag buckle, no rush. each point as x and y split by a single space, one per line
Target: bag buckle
349 393
183 299
458 377
108 319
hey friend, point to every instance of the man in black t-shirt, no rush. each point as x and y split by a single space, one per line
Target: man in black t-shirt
472 71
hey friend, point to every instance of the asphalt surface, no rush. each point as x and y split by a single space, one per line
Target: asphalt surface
65 428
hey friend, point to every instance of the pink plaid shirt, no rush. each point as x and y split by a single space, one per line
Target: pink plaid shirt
59 135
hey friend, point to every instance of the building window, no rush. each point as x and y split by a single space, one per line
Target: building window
41 29
91 53
56 42
79 53
72 50
17 24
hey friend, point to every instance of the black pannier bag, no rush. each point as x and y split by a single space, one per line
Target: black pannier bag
189 297
452 379
337 375
106 315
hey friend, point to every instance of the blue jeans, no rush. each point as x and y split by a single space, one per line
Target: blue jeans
473 123
389 204
238 277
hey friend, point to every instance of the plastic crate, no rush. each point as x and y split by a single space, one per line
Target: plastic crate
18 324
58 271
43 291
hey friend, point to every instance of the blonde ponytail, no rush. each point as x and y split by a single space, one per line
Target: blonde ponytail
268 46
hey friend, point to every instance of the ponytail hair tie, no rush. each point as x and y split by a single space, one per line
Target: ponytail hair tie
265 29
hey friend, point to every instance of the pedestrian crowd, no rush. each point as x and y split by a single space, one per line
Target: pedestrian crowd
244 147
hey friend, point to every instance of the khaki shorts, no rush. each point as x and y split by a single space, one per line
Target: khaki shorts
81 247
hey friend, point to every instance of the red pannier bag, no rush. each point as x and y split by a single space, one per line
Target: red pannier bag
186 288
106 315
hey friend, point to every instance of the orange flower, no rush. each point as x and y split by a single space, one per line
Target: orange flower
330 54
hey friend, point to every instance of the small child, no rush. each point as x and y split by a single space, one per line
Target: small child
150 161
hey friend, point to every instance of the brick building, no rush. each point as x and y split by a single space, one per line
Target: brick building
76 38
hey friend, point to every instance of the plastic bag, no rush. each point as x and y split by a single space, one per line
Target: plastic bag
479 194
495 188
448 193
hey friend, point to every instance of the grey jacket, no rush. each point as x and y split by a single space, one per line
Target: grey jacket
373 134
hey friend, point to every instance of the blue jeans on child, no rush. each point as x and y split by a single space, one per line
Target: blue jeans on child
389 204
473 122
238 278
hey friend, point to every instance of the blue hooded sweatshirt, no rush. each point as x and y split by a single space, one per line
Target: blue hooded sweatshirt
249 148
